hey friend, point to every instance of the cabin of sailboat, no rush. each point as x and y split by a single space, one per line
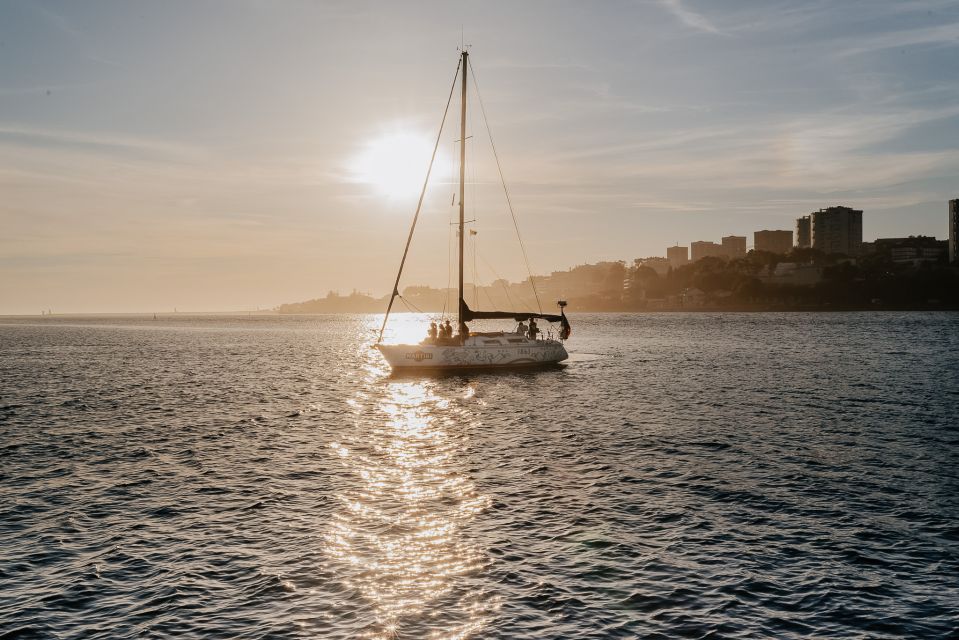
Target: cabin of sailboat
522 345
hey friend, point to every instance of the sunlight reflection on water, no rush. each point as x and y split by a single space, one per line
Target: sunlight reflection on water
397 538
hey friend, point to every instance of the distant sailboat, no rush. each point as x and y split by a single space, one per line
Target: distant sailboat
469 349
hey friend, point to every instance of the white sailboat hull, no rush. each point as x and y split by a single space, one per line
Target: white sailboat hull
477 353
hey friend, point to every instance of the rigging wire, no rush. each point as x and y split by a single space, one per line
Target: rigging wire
509 202
410 306
419 205
488 297
472 246
476 284
509 299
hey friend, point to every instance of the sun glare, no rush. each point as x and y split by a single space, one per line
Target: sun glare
395 164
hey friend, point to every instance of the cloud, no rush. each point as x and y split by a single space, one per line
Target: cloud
34 136
59 21
689 17
943 35
67 27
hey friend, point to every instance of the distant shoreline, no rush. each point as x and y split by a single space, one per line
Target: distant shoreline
572 313
139 314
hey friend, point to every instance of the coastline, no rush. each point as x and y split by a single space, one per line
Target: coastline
673 310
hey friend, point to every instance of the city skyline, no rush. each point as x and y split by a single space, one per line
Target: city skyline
801 236
237 155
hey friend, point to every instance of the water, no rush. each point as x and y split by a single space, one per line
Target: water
701 475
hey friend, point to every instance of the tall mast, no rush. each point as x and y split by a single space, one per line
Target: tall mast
465 70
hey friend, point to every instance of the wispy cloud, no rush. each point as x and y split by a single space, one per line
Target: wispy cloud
689 17
32 136
943 35
64 25
59 21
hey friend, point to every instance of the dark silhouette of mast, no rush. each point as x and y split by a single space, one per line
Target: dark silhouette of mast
462 303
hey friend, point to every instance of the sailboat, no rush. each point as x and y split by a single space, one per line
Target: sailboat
469 349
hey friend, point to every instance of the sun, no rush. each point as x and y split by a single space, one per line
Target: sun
395 163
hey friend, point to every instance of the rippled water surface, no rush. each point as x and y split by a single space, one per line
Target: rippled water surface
703 475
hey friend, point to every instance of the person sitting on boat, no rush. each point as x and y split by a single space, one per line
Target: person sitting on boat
533 329
447 330
432 332
521 329
464 332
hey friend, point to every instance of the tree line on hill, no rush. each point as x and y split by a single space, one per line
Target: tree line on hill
802 279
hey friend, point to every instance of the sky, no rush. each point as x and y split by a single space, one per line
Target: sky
229 155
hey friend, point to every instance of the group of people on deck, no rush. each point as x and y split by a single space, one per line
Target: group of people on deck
529 331
442 333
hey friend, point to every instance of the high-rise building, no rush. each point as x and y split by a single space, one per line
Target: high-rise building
677 256
705 249
773 241
837 230
734 246
954 230
803 232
